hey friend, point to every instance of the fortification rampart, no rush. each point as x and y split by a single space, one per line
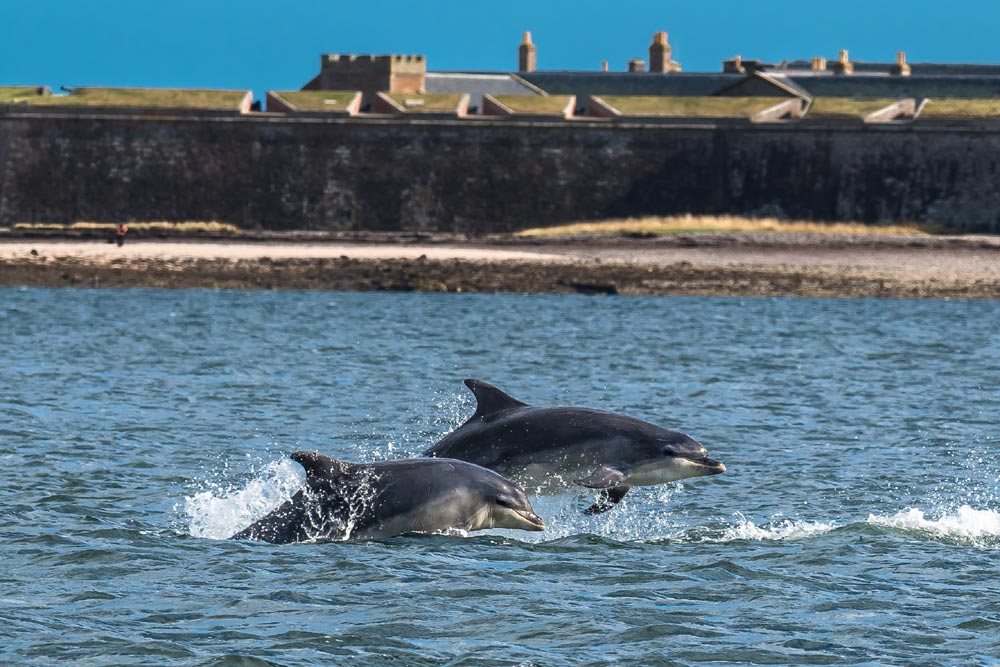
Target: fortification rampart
281 172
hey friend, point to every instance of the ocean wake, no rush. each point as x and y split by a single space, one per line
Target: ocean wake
965 524
776 529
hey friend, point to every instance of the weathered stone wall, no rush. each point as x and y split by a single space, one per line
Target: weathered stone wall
269 171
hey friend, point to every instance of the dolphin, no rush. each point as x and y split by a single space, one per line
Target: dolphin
349 501
548 449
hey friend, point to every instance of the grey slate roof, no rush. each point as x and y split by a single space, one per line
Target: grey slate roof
583 84
476 84
875 85
867 81
920 69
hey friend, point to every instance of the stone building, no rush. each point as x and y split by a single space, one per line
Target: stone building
370 74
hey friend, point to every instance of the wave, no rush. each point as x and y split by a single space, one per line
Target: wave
965 523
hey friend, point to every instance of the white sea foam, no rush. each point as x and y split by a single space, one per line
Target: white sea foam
965 523
217 513
775 529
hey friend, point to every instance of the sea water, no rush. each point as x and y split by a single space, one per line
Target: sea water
858 522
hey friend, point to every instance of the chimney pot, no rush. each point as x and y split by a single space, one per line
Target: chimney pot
901 68
843 66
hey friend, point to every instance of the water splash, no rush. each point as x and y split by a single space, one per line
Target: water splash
220 511
965 524
778 528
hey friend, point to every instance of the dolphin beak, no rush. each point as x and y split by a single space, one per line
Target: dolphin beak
714 467
533 521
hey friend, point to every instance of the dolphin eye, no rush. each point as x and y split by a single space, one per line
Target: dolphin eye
669 451
502 502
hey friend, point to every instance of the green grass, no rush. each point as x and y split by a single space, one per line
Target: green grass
736 107
432 102
841 107
317 100
169 98
540 104
17 93
980 108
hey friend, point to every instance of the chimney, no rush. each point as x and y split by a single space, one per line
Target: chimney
734 66
901 68
636 65
659 53
526 54
818 64
843 66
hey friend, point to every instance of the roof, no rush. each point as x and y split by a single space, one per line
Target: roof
756 81
476 84
919 69
827 84
584 84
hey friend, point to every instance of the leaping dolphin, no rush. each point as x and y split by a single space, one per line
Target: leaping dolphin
347 501
548 449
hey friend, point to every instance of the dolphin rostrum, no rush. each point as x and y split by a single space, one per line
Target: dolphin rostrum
548 449
348 501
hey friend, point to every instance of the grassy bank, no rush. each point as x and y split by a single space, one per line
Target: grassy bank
725 224
177 227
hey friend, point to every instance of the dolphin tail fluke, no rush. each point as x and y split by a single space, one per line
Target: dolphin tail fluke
607 499
490 400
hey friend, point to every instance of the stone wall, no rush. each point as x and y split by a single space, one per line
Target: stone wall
271 171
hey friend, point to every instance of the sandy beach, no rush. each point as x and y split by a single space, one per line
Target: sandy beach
734 264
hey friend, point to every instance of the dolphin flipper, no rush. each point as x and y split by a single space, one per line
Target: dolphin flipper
490 400
607 499
604 477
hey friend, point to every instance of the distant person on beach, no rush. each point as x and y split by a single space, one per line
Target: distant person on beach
120 231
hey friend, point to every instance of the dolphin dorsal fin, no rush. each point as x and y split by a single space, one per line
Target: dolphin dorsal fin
490 400
319 466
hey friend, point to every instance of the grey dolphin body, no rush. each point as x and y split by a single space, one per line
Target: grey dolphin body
548 449
346 501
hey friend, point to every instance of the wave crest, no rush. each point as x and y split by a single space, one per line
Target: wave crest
965 523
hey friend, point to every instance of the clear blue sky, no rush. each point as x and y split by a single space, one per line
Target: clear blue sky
275 44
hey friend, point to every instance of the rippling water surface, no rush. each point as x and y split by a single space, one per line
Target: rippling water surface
858 523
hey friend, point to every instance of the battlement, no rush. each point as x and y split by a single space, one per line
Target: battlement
341 58
393 73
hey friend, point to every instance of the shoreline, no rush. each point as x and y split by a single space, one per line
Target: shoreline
808 265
